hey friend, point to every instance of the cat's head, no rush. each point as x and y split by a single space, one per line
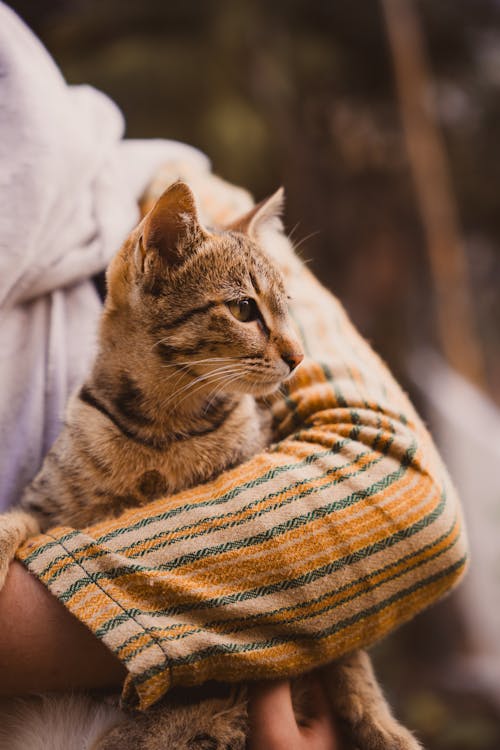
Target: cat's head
207 303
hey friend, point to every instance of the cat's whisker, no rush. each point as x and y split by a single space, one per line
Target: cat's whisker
200 361
268 396
215 393
219 388
304 239
194 362
292 231
185 367
160 341
298 245
220 379
181 372
202 380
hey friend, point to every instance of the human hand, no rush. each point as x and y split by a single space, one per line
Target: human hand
273 724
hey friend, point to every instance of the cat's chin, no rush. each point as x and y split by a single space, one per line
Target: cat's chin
262 389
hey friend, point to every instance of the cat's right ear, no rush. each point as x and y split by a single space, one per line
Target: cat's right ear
171 230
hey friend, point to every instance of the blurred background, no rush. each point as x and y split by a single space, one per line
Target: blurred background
382 120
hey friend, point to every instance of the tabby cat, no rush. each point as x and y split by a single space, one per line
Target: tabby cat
171 401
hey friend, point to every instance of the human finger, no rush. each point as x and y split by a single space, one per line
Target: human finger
318 731
272 720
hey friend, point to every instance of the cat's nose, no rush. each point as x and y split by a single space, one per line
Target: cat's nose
292 359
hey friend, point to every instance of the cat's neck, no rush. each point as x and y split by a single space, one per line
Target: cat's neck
179 406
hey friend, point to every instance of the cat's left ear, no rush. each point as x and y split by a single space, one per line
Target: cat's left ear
262 217
172 229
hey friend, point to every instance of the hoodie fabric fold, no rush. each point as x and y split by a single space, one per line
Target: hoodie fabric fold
69 186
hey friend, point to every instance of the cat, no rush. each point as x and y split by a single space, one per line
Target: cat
172 400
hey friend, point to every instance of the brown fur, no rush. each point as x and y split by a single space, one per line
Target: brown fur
170 402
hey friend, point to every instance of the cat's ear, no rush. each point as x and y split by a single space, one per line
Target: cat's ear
171 229
265 215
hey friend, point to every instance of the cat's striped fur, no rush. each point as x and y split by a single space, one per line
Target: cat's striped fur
195 329
170 399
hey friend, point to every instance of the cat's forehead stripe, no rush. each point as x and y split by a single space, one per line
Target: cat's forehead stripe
255 283
189 314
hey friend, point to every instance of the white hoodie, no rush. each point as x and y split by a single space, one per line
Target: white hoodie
69 186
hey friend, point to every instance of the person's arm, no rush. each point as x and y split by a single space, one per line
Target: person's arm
345 528
43 647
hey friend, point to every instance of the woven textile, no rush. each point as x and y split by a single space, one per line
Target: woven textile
347 526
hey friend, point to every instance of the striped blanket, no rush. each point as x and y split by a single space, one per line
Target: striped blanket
347 526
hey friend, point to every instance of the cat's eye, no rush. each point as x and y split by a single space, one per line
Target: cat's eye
244 310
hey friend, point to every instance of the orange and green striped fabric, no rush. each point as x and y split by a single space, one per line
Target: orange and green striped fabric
347 526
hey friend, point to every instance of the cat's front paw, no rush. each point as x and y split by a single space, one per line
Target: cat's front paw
4 569
15 527
370 734
214 724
